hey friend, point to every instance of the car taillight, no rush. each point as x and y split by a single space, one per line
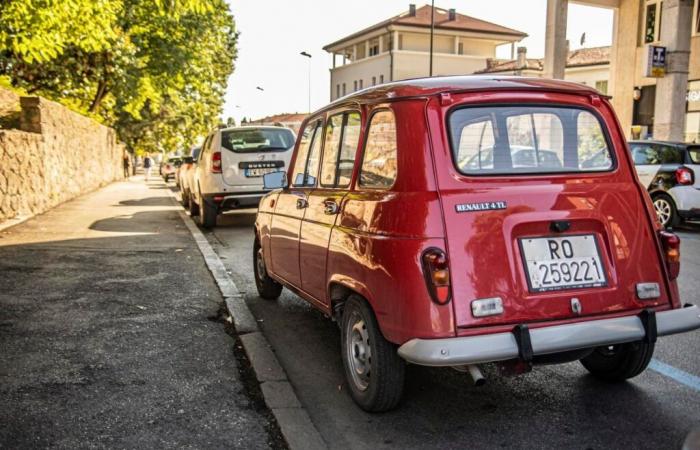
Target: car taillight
437 275
671 244
216 162
684 175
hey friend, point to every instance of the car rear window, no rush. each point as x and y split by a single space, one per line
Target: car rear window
524 139
253 140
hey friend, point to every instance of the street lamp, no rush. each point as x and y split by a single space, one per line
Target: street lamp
261 90
308 55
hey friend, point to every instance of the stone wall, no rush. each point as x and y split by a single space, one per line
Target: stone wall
54 156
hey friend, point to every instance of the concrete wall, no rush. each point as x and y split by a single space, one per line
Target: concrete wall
54 156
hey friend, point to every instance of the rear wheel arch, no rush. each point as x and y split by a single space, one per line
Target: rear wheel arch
340 290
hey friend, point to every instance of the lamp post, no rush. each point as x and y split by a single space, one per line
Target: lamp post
261 90
308 55
432 30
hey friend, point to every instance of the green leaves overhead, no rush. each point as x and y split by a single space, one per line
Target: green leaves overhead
155 70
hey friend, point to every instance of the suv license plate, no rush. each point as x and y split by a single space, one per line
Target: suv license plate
567 262
259 172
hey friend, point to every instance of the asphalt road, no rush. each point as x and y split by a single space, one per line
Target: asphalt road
552 407
109 335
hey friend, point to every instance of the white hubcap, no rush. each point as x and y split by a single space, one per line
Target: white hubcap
663 210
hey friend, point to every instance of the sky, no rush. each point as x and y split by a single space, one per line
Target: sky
274 32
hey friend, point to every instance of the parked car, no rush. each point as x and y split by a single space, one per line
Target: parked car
169 166
384 223
186 174
668 171
230 168
186 160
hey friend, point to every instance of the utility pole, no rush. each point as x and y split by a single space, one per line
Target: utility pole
432 30
308 55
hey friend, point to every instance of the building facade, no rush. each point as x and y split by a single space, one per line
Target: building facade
399 48
667 107
589 66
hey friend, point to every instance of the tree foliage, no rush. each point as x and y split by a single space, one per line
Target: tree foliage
155 70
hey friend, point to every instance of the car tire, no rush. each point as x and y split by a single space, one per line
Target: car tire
619 362
268 288
207 213
666 211
193 206
373 368
185 196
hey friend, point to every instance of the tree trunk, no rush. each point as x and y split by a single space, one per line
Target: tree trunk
99 95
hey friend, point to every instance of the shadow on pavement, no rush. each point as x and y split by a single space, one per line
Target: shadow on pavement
148 201
113 342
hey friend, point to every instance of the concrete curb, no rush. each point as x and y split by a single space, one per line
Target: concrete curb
9 223
293 419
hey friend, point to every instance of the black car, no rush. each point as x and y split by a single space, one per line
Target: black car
669 172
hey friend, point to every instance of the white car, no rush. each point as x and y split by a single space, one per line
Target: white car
186 175
230 167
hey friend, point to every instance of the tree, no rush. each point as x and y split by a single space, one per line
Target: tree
154 70
230 122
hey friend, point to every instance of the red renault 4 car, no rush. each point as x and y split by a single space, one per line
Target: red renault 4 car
461 221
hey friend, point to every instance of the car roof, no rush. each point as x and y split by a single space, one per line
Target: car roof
422 87
654 141
256 127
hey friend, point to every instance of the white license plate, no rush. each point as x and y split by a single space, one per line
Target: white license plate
566 262
259 172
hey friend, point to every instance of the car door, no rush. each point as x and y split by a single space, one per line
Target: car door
647 162
325 202
292 204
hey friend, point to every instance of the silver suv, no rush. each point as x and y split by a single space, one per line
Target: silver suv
230 167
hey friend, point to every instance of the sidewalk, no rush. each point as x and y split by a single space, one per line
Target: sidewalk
109 334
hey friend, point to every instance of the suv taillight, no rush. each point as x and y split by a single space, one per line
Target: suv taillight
671 245
216 162
437 275
684 175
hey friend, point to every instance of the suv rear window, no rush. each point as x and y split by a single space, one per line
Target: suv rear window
523 139
253 140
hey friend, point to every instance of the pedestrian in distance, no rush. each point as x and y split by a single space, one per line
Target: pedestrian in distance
126 160
147 164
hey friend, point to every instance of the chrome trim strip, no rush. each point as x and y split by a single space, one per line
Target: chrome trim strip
545 340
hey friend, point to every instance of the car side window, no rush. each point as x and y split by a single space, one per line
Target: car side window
307 162
204 148
379 162
644 155
342 137
669 155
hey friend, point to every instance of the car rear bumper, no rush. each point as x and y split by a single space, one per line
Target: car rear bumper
227 201
547 340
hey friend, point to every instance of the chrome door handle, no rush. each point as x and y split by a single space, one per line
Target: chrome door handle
330 207
302 203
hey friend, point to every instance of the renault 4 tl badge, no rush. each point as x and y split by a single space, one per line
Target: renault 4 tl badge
480 206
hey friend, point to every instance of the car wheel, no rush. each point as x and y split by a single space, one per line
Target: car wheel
619 362
268 288
207 213
373 368
193 206
666 211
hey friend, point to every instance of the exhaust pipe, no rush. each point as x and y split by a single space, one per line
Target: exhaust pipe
474 372
476 375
